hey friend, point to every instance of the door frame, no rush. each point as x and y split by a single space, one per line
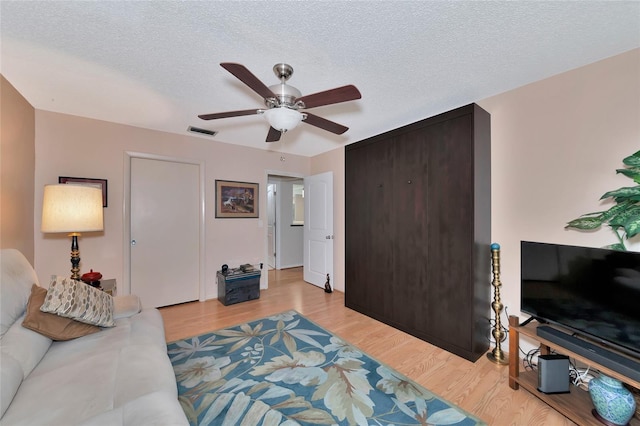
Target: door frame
126 217
272 249
267 173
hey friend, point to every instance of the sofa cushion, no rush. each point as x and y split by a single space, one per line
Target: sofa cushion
53 326
10 378
103 378
79 301
26 346
17 276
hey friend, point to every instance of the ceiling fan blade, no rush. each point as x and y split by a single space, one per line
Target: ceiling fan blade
325 124
273 135
229 114
333 96
245 76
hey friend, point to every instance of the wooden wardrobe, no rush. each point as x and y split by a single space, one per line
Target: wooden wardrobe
418 229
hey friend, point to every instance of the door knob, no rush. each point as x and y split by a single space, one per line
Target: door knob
133 242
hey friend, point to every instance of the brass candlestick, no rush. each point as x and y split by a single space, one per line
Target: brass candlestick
497 355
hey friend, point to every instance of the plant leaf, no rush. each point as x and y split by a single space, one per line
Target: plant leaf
624 217
632 226
585 223
615 210
633 173
621 194
592 214
633 160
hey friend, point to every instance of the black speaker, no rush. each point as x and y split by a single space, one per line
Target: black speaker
553 374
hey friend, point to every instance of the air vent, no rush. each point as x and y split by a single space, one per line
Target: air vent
201 131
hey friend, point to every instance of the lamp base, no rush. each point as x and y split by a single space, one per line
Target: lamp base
75 256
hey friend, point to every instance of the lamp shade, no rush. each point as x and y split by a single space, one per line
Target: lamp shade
72 208
283 118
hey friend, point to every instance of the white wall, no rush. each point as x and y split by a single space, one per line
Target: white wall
72 146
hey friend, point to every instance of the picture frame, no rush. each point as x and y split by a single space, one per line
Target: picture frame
235 200
96 183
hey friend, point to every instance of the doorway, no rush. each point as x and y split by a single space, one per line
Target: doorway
312 240
284 232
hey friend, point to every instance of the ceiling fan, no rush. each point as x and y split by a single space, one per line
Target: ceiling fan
284 102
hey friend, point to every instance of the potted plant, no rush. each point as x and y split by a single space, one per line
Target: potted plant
624 216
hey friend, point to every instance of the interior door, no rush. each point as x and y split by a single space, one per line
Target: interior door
318 228
271 224
165 231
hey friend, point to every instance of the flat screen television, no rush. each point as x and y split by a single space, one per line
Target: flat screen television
591 291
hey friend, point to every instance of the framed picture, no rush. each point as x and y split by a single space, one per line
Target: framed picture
236 199
96 183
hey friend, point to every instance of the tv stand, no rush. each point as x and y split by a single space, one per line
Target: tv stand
575 405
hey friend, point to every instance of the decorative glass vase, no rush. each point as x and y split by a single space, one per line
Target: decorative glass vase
614 404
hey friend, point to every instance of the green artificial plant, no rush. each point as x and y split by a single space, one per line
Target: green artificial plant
624 216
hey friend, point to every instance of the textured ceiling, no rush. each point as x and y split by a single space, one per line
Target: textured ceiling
156 64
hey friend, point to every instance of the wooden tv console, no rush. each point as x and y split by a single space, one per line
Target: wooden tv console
575 405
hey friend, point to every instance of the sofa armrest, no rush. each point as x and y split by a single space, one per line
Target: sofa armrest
126 306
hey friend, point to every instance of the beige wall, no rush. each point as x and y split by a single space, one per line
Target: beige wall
17 156
80 147
555 146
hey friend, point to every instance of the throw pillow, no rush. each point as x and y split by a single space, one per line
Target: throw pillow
79 301
126 306
53 326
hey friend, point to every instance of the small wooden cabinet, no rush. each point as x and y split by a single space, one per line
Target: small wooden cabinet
237 286
575 405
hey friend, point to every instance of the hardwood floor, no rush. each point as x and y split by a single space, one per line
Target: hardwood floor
480 388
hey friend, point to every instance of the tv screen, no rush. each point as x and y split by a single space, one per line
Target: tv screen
594 292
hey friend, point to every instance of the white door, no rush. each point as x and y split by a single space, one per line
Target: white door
165 231
318 228
271 224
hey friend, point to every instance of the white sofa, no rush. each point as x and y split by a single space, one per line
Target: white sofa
115 376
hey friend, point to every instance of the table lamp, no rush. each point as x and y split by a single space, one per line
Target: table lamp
73 209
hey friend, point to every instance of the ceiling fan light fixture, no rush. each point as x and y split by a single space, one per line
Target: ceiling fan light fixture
283 119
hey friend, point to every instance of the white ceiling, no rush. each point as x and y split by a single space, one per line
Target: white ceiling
156 64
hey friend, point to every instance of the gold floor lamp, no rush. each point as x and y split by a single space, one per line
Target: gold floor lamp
73 209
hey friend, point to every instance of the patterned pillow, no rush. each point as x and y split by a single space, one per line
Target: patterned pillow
53 326
79 301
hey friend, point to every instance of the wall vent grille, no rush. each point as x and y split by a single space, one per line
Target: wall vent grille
202 131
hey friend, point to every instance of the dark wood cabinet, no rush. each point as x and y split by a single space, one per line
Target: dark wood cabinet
418 229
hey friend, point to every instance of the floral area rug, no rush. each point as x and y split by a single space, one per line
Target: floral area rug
286 370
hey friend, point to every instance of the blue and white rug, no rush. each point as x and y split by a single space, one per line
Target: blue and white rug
286 370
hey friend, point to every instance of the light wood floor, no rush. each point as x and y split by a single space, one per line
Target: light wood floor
480 388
